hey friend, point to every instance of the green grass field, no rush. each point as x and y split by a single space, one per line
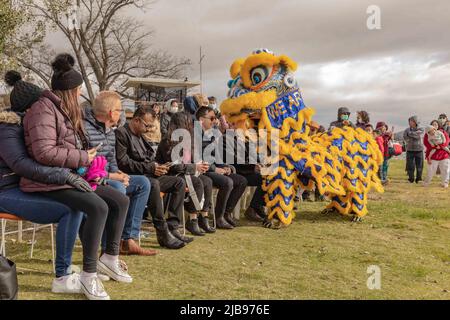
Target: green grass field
406 234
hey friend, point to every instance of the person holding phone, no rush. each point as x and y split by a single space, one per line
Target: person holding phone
99 122
136 156
55 136
198 222
231 185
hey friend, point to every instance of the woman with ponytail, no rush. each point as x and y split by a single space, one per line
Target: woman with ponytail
55 136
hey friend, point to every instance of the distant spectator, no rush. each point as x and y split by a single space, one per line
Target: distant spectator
193 103
313 127
170 108
435 124
379 139
362 119
387 137
343 119
213 103
436 155
443 123
369 128
414 149
321 129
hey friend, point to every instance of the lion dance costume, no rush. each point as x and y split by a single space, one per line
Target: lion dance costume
342 163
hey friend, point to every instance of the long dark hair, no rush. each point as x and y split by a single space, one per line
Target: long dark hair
72 109
180 120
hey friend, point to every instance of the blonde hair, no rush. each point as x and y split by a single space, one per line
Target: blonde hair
105 101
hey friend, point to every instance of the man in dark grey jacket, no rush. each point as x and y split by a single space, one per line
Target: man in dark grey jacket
414 149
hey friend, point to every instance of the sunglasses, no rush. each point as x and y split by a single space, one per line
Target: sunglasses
147 126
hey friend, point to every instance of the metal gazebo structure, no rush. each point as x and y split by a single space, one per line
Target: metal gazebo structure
160 90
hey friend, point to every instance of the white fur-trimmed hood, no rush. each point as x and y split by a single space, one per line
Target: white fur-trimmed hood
9 117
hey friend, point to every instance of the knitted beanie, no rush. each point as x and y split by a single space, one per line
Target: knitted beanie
24 94
65 77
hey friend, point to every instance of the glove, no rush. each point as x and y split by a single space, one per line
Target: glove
96 171
78 183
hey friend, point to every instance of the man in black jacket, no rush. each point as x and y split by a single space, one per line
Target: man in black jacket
136 156
231 185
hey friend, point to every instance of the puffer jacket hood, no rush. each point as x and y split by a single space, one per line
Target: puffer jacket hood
415 119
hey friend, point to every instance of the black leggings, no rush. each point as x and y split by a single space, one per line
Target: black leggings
105 206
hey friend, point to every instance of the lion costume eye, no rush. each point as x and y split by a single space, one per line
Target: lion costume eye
259 74
289 80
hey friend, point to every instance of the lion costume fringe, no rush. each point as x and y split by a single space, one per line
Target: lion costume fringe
342 163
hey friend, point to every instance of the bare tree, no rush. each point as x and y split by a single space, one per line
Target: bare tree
108 46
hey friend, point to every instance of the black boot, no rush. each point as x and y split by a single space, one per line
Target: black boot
221 223
192 227
229 218
167 240
203 222
176 233
252 215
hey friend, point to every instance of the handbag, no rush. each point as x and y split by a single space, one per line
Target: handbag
8 279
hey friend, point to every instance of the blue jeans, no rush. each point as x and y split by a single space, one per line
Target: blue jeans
138 191
39 209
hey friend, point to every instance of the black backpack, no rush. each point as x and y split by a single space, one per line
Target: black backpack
8 279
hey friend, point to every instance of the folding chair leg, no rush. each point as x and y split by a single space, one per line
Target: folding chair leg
53 248
3 244
183 220
213 211
32 240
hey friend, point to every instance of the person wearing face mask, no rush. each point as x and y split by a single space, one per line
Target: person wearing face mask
170 108
343 119
443 123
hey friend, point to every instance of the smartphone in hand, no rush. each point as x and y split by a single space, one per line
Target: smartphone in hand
99 146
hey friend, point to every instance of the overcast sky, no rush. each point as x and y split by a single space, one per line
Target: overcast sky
400 70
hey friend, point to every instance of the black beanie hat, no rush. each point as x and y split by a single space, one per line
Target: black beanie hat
24 94
65 77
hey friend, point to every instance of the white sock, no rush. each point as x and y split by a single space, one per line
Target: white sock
86 276
109 259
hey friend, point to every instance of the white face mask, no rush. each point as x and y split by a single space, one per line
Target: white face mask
172 109
213 105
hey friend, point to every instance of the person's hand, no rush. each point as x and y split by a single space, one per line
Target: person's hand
258 168
92 153
78 183
161 169
125 179
220 171
202 167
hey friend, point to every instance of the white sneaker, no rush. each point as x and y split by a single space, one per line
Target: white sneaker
67 284
103 277
115 271
94 289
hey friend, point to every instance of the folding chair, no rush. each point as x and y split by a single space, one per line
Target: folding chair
4 217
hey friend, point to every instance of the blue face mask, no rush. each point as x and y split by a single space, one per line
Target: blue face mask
344 117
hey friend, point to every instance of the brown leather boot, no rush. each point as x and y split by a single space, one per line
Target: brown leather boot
130 247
